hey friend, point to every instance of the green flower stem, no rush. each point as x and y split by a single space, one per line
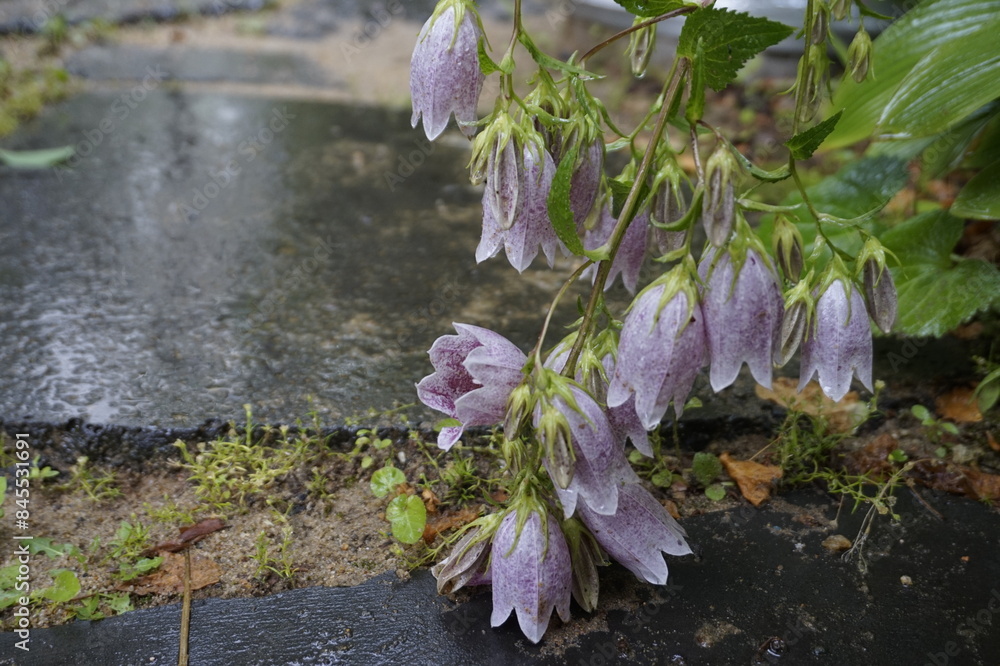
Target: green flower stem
624 219
537 351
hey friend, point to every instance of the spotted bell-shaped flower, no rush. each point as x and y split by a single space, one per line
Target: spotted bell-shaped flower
631 252
839 344
585 183
444 71
532 572
743 308
638 533
474 374
661 349
531 229
599 464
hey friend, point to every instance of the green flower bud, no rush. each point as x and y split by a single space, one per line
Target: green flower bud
640 48
586 556
841 8
554 432
820 24
719 207
799 307
877 285
788 250
859 55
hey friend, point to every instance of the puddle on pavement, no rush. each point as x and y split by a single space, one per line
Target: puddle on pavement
206 251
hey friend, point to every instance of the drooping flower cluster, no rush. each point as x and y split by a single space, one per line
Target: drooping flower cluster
569 415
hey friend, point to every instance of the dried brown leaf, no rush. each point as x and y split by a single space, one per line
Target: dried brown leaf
169 578
842 416
754 479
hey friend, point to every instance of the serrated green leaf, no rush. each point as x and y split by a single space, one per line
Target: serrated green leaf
560 213
36 159
408 516
980 198
928 26
486 64
386 480
65 586
729 40
650 8
935 291
804 144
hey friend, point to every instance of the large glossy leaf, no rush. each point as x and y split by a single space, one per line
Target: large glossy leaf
947 85
949 25
980 198
936 291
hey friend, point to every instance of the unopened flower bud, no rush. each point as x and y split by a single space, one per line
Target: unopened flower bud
820 24
504 181
640 48
519 407
859 55
553 429
788 248
586 555
718 211
840 9
878 286
468 559
794 323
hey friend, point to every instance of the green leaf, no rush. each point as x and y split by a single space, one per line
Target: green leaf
936 291
715 492
980 198
547 61
3 491
119 603
408 516
558 203
663 478
620 189
65 586
650 8
35 159
988 391
386 480
930 25
486 64
920 412
706 467
804 144
45 545
729 39
696 100
946 86
8 597
777 175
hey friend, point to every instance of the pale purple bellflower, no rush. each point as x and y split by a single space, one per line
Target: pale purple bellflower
474 374
532 573
661 349
743 315
638 533
444 71
531 229
839 344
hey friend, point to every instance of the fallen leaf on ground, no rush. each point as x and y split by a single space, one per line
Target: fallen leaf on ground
754 479
873 457
169 578
957 479
842 416
958 405
188 535
449 521
991 440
